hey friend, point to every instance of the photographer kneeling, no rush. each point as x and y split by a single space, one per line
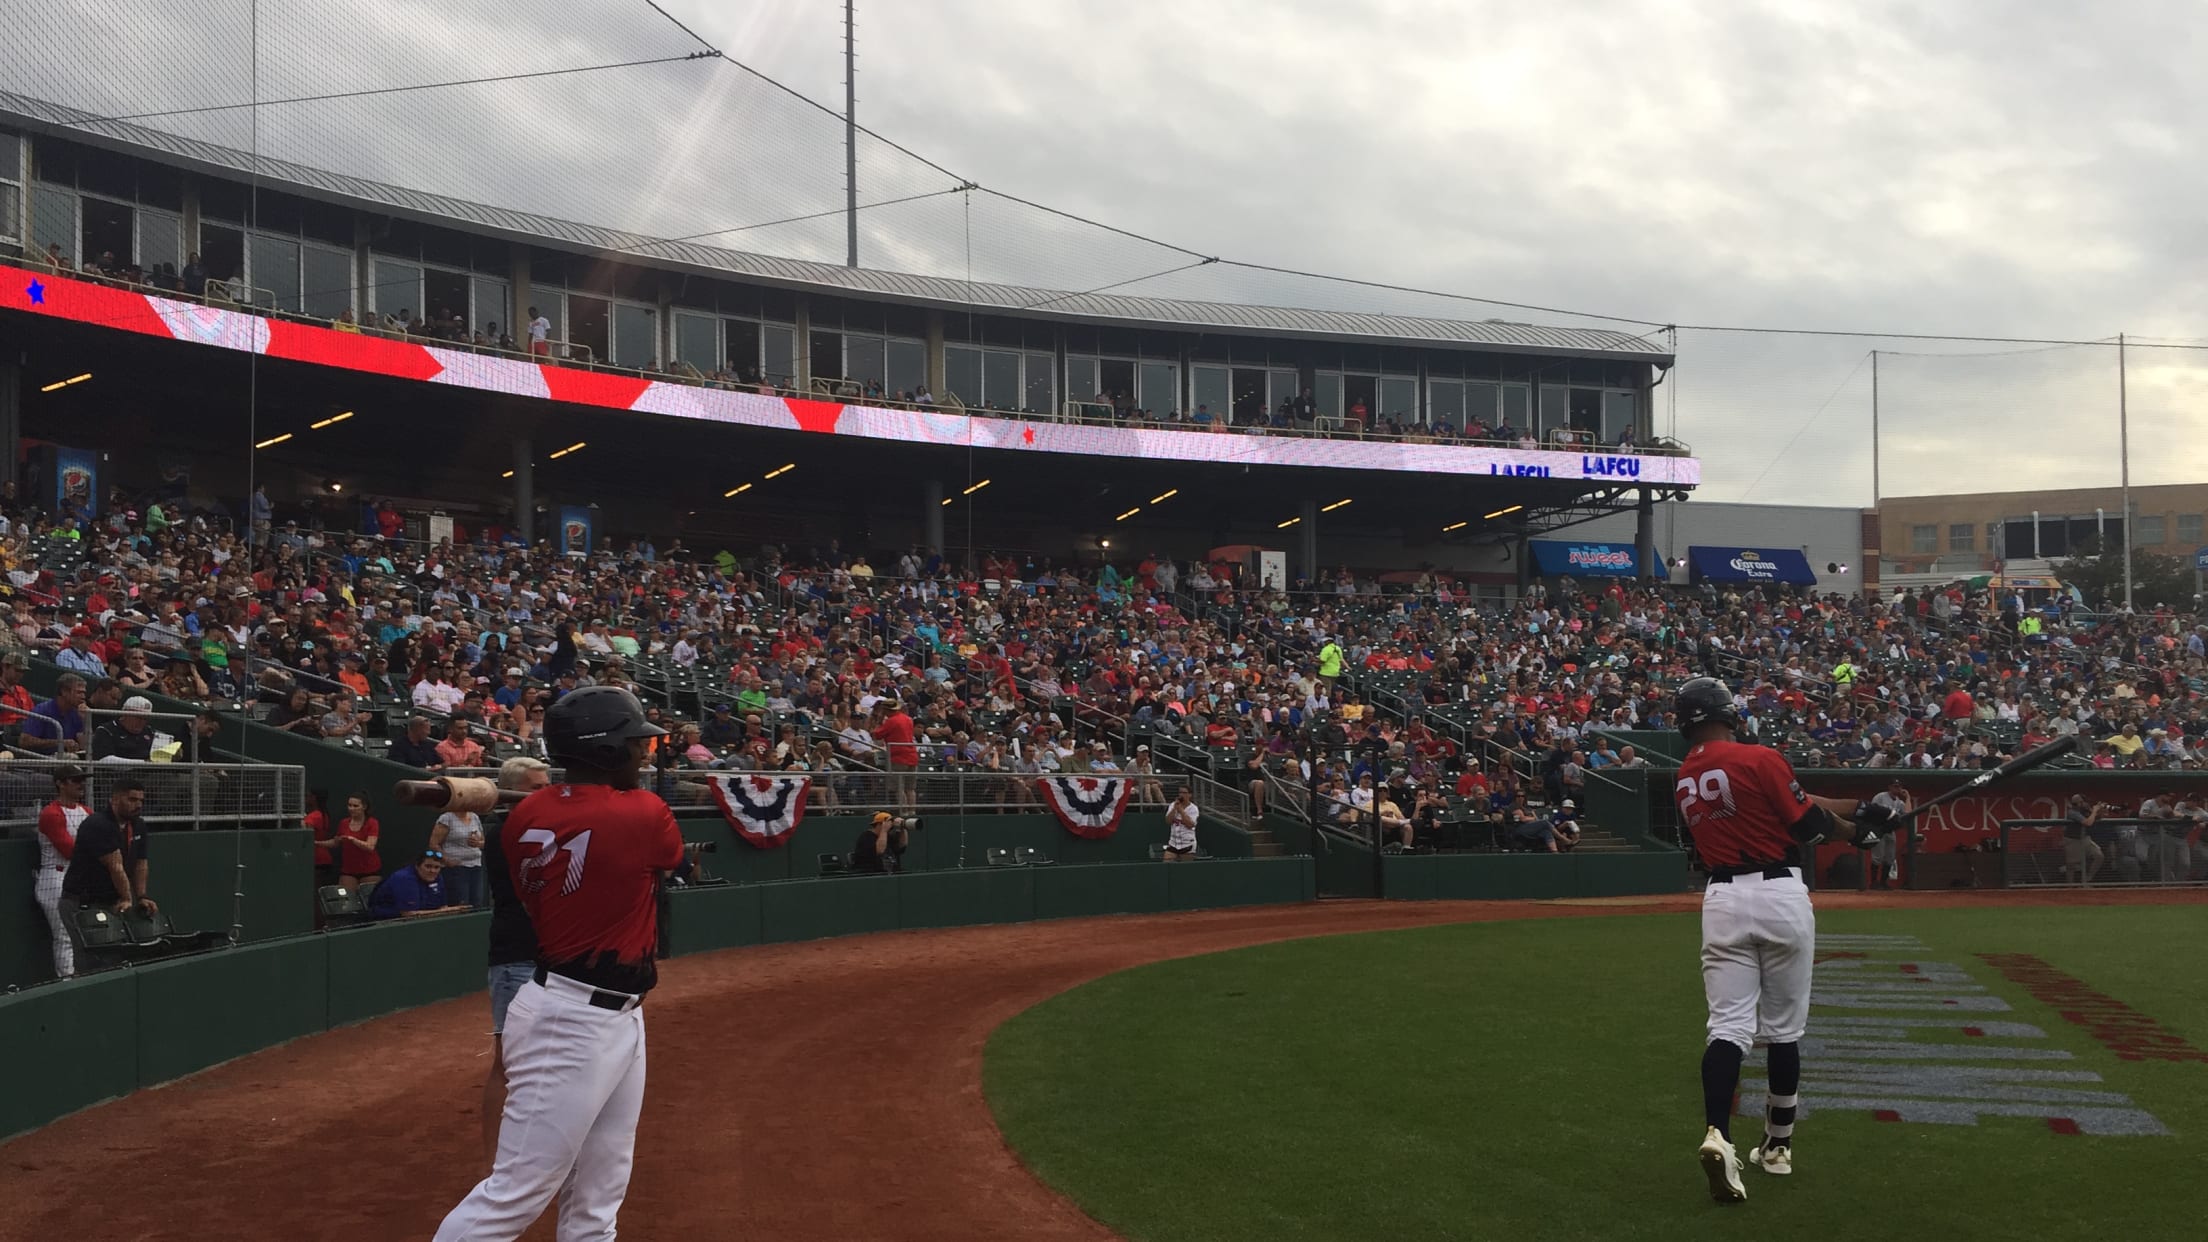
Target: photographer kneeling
881 846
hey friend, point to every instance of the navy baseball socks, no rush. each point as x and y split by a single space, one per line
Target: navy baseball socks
1720 1079
1720 1075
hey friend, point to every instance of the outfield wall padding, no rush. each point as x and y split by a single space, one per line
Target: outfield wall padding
400 964
113 1032
1495 877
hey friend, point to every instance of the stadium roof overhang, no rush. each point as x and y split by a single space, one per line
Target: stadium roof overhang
1115 310
159 399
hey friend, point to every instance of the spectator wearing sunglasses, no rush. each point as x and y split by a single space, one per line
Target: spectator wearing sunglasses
416 891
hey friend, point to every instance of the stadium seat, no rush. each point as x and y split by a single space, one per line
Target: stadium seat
339 904
999 856
833 864
99 931
154 935
1029 856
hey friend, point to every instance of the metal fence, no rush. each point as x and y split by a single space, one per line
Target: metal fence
178 795
965 792
2039 853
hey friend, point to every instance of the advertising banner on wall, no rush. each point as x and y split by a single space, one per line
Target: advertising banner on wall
575 530
1559 558
77 482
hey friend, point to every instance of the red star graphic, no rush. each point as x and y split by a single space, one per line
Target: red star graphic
1028 434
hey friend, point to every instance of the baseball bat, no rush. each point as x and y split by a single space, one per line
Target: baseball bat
438 793
2038 756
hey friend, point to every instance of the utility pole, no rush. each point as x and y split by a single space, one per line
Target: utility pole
2123 443
1874 434
850 135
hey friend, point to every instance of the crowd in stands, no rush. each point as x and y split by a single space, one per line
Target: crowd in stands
1447 720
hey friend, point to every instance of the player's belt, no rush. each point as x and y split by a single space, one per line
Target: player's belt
1724 875
598 998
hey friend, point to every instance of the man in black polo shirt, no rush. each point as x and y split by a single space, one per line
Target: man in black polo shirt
415 750
108 865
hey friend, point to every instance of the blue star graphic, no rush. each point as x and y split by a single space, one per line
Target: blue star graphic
38 294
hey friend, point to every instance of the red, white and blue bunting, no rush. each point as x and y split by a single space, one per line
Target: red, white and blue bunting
1089 806
764 810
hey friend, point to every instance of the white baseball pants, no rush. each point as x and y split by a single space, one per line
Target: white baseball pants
48 891
574 1087
1759 940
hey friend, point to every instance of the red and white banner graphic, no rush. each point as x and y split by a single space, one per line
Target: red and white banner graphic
764 810
1089 806
62 297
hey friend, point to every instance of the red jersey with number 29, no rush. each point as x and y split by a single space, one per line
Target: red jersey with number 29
585 860
1740 802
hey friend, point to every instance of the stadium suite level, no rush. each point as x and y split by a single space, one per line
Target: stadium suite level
476 439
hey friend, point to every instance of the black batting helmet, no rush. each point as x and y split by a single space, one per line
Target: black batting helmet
593 727
1701 701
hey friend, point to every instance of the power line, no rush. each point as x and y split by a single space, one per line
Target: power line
391 90
677 22
1845 380
815 215
1117 284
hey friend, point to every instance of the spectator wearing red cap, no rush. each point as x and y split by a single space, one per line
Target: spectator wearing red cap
79 656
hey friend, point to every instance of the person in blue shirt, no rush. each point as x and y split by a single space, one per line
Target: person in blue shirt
58 726
418 890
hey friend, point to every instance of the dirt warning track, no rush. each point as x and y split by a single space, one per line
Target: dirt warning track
825 1090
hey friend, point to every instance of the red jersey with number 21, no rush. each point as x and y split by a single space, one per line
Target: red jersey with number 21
585 861
1739 801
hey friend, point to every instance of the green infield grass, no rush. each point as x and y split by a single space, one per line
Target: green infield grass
1538 1080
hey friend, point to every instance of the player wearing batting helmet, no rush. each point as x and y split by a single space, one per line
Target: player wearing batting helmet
1751 823
585 857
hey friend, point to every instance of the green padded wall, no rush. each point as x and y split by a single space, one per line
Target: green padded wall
816 909
701 920
66 1046
389 966
1522 877
194 875
26 953
198 1011
962 898
1076 892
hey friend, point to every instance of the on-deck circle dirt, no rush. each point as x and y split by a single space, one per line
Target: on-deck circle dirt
827 1090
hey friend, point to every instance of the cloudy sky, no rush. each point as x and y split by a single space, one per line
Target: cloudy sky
1996 169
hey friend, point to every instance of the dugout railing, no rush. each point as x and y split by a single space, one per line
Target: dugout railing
2139 853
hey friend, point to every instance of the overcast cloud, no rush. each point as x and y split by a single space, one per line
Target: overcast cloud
1994 169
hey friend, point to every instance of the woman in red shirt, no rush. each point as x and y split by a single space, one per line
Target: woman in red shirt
317 824
357 835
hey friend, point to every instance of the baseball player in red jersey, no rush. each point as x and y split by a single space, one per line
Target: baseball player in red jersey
1751 821
585 858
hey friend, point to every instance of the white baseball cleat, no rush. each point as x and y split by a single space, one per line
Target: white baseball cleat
1722 1167
1778 1159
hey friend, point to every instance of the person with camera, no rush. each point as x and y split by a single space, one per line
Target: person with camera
1180 826
2081 854
880 849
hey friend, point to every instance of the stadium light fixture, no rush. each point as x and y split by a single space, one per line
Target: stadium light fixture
330 421
1336 505
559 453
780 470
58 385
1130 513
1500 512
1105 544
975 488
509 474
1456 526
947 501
273 441
737 490
1167 494
1290 522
